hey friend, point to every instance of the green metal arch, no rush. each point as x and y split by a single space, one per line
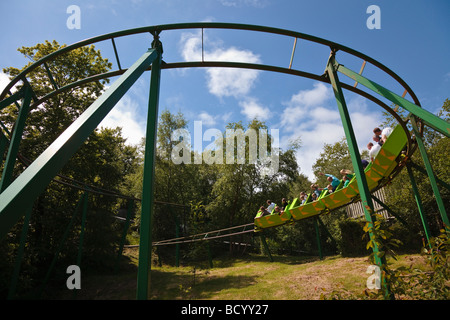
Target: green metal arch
156 30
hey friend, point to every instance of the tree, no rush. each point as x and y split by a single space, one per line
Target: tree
332 159
48 120
103 161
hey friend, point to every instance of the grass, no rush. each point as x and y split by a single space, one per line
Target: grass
252 277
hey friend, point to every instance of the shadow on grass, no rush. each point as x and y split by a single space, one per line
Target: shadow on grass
168 285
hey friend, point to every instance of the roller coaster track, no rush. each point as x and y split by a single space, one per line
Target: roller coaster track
210 235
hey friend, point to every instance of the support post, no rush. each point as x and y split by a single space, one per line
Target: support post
145 242
263 239
364 192
319 244
419 203
429 169
361 180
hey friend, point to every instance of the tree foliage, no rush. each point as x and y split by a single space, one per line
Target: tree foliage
103 160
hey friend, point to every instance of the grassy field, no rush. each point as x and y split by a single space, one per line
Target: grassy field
252 277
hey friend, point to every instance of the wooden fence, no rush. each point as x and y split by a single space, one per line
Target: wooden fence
355 210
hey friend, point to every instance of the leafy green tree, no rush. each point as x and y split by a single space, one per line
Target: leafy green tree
48 120
102 161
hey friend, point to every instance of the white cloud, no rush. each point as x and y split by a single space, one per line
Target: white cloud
125 115
309 98
207 119
252 109
222 82
306 104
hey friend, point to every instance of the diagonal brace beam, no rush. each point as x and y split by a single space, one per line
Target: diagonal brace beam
20 193
427 117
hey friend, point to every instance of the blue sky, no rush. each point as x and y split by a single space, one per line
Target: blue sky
412 41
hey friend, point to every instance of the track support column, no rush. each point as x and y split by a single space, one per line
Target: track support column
431 176
364 192
145 242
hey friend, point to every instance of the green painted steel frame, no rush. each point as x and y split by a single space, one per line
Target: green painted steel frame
427 117
15 140
13 199
415 190
431 176
145 242
361 180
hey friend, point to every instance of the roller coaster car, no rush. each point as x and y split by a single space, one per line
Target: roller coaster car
273 219
377 170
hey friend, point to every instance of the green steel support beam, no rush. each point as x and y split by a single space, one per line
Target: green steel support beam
427 117
429 169
423 217
319 244
263 240
364 192
22 191
145 241
15 141
12 98
361 180
50 76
